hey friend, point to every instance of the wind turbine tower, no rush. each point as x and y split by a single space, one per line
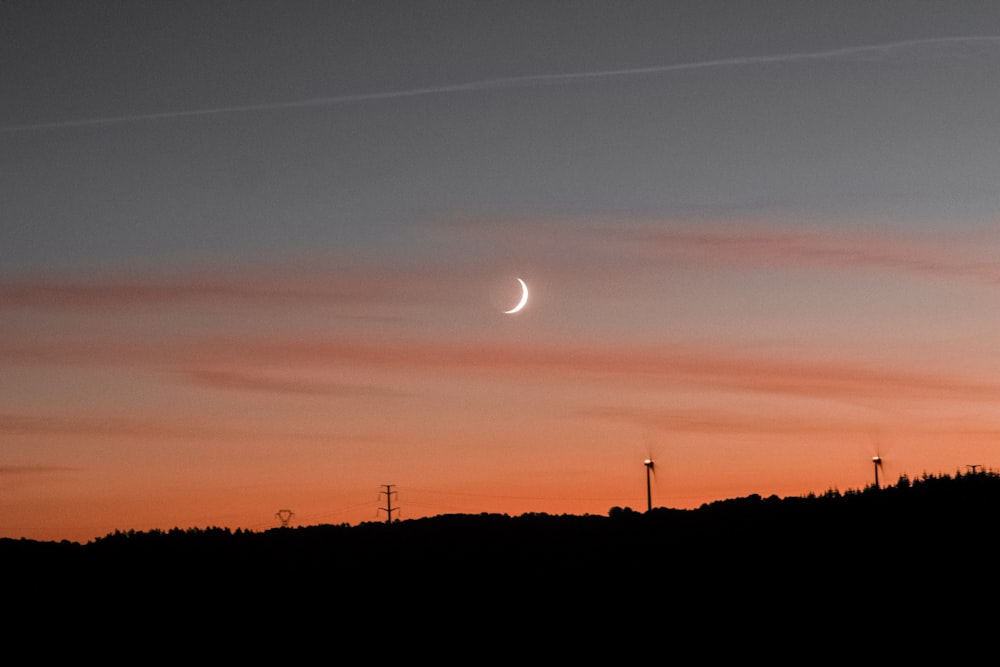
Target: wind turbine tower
877 460
649 487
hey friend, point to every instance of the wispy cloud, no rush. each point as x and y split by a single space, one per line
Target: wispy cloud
300 283
295 385
910 49
62 425
89 295
580 249
624 366
767 245
710 366
588 247
56 425
33 470
240 358
711 421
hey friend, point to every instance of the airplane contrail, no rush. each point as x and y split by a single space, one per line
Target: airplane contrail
878 50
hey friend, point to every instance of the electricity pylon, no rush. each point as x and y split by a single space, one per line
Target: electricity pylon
389 509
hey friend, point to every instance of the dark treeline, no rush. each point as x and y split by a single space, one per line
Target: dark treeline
937 512
933 514
918 549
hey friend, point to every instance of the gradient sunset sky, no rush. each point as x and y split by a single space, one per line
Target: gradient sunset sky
255 256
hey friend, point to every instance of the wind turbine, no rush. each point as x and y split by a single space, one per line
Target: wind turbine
877 462
649 487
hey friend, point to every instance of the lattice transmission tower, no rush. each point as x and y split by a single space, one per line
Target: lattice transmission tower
284 516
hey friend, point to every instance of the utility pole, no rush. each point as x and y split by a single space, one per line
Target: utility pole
389 509
973 467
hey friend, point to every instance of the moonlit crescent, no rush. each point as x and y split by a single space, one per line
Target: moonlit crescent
524 298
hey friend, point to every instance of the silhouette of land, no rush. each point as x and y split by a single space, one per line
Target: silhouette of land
922 550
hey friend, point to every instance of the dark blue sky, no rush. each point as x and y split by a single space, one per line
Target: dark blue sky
290 132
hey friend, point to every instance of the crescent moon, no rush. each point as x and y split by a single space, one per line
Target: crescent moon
524 298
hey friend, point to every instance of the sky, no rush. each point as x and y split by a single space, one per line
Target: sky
255 256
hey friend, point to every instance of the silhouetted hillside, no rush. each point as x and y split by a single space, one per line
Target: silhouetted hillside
888 549
942 512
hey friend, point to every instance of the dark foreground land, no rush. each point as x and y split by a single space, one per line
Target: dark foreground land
920 557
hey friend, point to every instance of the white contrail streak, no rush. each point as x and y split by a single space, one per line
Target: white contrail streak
867 51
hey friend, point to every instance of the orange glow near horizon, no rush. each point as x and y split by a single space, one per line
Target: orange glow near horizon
162 401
